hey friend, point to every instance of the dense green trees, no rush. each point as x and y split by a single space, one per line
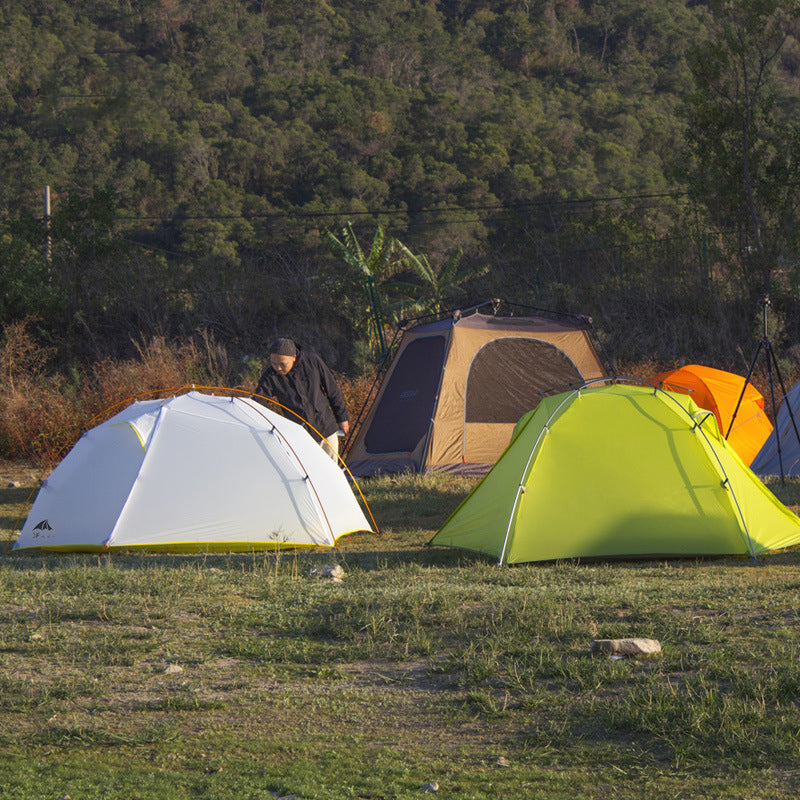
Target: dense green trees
744 132
545 140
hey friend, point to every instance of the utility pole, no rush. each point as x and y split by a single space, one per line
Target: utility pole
47 247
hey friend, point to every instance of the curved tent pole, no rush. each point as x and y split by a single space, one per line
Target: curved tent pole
696 425
276 431
726 483
169 392
526 470
341 460
146 458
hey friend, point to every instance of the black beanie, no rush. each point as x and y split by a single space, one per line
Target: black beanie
283 347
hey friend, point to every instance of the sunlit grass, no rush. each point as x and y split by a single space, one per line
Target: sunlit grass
242 675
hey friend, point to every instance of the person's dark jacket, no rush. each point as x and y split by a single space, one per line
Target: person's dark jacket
310 390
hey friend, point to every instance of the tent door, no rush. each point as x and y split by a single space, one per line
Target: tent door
507 378
404 412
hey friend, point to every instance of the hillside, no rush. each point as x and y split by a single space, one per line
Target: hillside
195 152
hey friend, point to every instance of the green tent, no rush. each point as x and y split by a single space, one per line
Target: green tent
618 471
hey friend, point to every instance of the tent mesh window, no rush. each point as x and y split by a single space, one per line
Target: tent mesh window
404 412
508 377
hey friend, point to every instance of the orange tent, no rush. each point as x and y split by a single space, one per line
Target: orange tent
719 391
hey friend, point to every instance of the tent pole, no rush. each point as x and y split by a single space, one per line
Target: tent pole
770 357
726 483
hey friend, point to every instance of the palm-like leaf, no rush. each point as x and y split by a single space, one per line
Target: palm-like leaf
348 249
372 268
375 272
439 283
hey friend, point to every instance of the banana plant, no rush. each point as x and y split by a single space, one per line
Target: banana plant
372 269
438 283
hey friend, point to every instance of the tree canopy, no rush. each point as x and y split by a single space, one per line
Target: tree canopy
211 143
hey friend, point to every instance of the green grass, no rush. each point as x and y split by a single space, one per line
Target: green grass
155 676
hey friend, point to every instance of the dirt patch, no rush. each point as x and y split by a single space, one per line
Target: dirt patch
407 674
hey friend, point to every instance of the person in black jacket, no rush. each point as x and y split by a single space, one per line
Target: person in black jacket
301 381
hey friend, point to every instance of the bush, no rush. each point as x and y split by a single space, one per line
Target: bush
46 410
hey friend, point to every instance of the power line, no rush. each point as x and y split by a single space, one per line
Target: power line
274 215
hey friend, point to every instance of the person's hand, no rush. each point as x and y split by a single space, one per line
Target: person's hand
345 427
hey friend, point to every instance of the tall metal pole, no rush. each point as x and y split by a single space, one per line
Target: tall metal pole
47 247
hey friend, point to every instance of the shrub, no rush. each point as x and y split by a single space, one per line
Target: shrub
46 410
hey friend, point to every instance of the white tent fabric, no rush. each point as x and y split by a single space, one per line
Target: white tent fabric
769 460
195 472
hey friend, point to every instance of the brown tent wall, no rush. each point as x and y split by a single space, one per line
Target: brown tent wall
456 388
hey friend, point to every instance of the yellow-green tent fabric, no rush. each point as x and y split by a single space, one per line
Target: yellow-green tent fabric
619 471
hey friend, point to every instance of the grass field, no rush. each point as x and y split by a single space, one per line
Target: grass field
242 676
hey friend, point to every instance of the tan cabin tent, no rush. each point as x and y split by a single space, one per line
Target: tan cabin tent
456 387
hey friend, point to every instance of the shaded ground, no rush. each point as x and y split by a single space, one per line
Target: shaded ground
26 473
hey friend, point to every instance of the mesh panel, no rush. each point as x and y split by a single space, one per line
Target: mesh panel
508 376
404 412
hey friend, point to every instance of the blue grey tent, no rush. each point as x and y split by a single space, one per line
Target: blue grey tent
786 432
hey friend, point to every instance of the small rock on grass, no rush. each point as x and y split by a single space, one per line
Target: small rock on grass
332 571
626 647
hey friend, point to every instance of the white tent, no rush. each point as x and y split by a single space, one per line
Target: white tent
195 472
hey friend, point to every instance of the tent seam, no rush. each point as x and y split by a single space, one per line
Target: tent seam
698 428
532 457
